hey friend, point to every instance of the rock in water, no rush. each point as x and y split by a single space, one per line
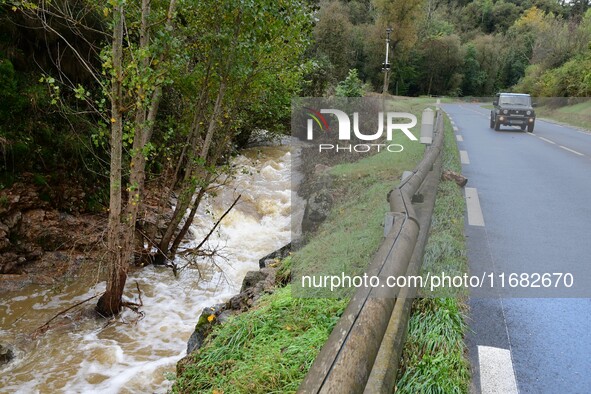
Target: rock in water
251 279
279 254
6 354
207 319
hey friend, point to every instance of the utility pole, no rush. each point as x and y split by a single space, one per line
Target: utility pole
386 65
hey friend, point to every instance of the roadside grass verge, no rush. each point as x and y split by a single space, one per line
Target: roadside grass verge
434 355
353 231
266 350
270 348
578 115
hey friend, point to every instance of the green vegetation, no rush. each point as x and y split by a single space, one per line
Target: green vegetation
267 350
458 47
270 348
351 86
433 359
446 250
438 47
245 355
576 114
353 230
164 93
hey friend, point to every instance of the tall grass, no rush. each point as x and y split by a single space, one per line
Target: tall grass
267 350
434 355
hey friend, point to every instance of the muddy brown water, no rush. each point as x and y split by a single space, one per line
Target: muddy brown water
84 355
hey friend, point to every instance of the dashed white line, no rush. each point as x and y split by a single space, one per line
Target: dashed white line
459 138
496 371
563 147
475 217
464 157
571 150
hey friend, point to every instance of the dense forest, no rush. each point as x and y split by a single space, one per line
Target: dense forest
127 98
458 47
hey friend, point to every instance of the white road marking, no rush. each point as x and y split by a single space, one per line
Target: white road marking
456 128
459 138
475 217
464 157
570 150
547 140
497 375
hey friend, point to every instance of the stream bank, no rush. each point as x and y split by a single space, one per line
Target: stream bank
135 354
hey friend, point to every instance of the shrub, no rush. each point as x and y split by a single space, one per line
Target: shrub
352 86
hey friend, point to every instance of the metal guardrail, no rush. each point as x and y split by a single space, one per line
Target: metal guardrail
362 353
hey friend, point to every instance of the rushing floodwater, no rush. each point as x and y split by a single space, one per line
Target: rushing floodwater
135 357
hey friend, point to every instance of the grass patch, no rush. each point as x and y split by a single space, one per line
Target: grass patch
434 359
353 231
434 355
270 348
578 115
267 350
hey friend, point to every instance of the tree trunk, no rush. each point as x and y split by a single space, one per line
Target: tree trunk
181 235
168 246
121 241
110 303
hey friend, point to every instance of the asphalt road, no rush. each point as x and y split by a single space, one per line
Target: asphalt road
529 210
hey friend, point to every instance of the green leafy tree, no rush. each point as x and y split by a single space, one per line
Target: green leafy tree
473 76
137 71
440 63
351 86
228 66
135 62
333 37
491 55
244 67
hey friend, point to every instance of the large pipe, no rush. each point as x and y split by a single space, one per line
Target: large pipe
385 368
345 362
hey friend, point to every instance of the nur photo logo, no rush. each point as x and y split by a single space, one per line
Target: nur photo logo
356 125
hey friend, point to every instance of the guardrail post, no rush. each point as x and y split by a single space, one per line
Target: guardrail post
427 123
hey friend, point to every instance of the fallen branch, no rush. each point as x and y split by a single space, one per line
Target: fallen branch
139 293
44 327
134 306
198 247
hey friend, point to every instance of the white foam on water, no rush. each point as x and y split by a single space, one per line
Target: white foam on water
132 355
